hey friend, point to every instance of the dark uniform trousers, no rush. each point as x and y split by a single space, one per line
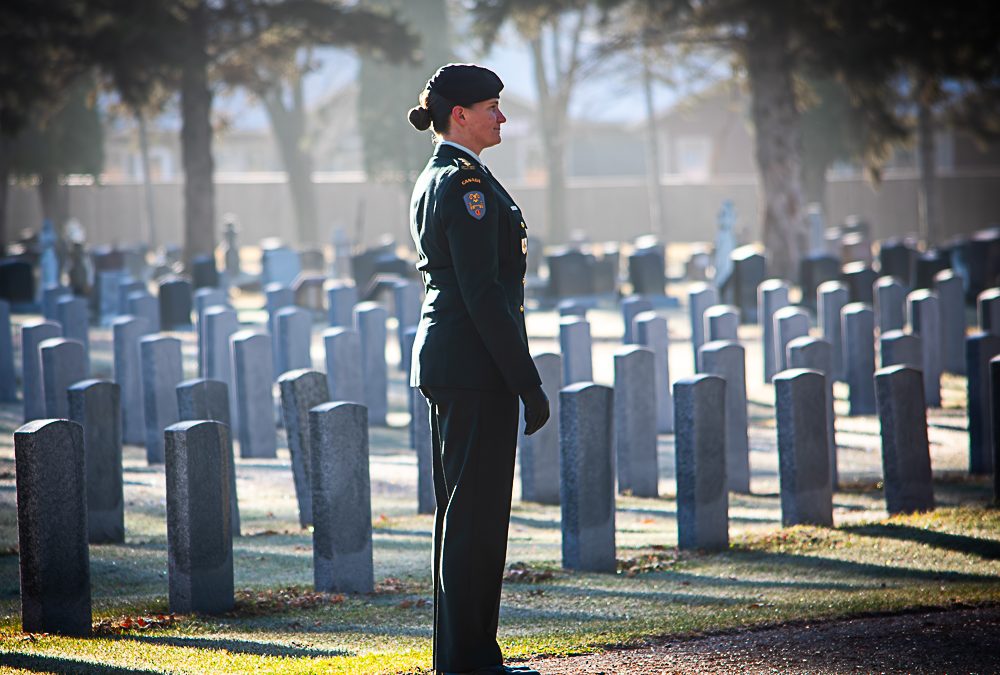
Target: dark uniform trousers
470 360
474 435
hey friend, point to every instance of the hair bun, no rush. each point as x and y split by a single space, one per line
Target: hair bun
420 118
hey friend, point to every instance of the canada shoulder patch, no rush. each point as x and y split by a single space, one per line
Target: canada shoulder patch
475 204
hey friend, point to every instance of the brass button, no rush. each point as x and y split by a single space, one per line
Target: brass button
522 226
522 309
524 282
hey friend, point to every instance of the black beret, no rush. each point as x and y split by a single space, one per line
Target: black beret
465 83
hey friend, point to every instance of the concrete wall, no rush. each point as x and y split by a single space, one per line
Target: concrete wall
603 208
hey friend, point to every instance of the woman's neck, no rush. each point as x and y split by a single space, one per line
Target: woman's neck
457 139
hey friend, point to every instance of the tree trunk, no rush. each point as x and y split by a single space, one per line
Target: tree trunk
652 154
48 196
814 184
553 139
5 144
555 208
147 180
300 168
778 141
54 200
289 130
927 206
196 143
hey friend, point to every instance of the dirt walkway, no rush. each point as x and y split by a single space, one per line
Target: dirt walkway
952 642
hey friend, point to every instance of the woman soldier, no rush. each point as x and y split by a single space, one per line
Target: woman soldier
470 359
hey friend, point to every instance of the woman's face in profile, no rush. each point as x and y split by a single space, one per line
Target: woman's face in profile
483 120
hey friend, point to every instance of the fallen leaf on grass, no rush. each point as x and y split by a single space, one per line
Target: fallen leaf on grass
390 585
271 601
114 626
521 573
407 604
660 559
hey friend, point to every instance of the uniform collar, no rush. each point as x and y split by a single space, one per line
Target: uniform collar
464 149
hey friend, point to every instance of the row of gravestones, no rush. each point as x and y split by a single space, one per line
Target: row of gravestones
847 328
149 366
718 322
925 329
201 576
575 273
17 273
584 528
65 470
607 435
69 318
847 257
69 494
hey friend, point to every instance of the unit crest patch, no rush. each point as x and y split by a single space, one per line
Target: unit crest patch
466 164
475 204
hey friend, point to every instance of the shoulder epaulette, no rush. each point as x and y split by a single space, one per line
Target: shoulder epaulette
466 164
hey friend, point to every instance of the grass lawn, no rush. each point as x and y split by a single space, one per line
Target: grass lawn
950 557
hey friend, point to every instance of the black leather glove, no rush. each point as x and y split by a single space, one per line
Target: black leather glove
536 409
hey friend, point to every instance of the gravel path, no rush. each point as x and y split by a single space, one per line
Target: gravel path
952 642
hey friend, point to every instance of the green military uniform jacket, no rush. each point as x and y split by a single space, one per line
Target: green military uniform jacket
472 243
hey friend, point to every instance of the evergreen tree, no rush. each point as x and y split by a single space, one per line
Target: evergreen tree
69 140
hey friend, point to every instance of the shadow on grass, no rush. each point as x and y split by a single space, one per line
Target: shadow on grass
684 597
948 427
872 574
423 534
269 464
54 664
423 630
672 513
147 469
811 564
248 647
960 543
536 617
539 523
